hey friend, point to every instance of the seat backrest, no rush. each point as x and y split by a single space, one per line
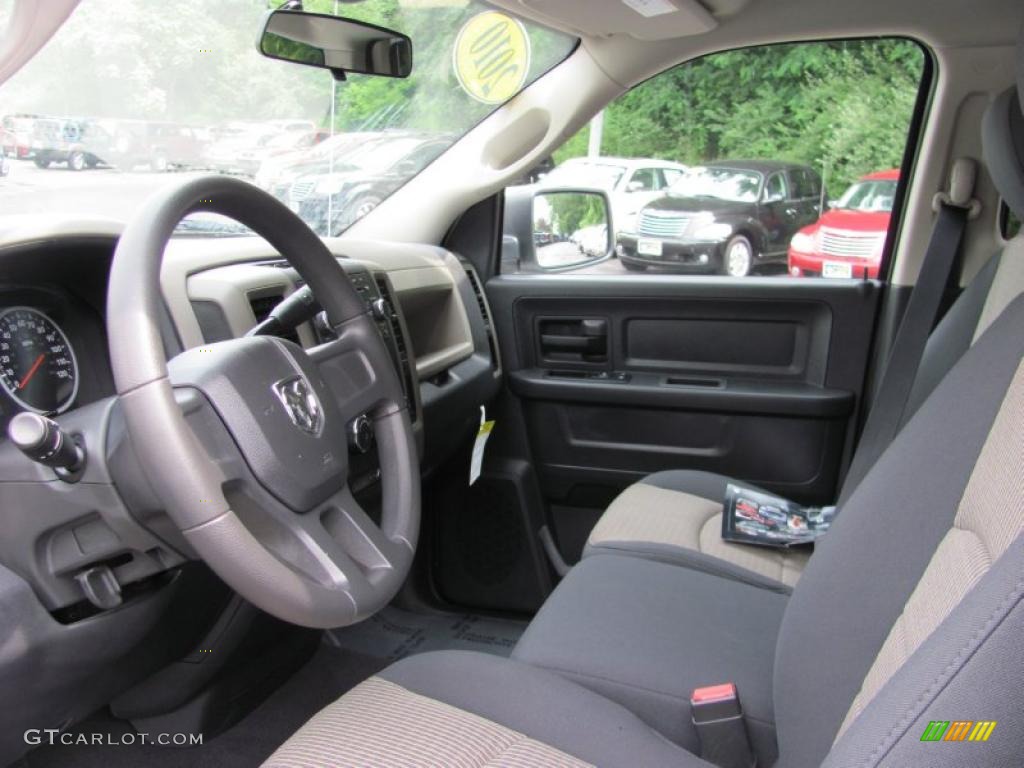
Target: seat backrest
911 609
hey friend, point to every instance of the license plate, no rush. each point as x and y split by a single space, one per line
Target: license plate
836 269
647 247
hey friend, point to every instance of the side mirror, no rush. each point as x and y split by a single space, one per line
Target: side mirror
558 229
340 45
635 186
832 204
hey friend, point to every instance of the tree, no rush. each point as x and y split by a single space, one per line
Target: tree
844 106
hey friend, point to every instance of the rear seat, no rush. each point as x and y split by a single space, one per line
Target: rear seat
675 516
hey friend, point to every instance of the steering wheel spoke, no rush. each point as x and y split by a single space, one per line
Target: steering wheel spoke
362 539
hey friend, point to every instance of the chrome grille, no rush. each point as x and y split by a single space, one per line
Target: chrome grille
657 223
301 190
859 245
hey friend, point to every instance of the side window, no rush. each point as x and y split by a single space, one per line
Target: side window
815 190
745 128
644 180
775 188
671 176
800 184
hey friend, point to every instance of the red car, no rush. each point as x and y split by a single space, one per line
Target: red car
848 239
16 135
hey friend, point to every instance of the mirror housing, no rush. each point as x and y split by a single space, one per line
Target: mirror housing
556 228
335 43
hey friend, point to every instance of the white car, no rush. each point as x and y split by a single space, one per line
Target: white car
631 183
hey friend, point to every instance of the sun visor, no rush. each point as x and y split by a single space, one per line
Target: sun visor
30 27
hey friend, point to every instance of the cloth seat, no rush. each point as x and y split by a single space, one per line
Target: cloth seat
645 634
460 709
676 517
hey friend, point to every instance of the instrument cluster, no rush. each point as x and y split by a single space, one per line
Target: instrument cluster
52 353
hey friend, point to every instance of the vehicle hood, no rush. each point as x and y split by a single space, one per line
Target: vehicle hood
702 205
856 221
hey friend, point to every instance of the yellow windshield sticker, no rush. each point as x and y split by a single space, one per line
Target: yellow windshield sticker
492 57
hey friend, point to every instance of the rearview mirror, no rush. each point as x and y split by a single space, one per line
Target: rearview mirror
340 45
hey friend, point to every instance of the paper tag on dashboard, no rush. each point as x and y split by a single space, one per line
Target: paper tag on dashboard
651 8
484 432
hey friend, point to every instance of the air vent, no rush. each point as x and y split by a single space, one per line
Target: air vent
485 313
399 345
262 305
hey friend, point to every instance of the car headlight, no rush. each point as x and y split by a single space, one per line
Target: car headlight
717 231
802 242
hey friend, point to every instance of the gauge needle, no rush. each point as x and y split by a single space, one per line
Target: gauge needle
31 372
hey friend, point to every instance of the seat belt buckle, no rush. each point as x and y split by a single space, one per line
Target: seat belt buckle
718 718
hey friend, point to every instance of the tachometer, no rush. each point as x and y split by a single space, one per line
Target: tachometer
37 364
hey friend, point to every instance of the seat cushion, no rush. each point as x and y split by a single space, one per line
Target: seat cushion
676 517
472 710
645 634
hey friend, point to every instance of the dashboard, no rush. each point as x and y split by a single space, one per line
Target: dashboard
427 304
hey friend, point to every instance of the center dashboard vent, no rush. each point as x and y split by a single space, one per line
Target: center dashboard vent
485 313
263 304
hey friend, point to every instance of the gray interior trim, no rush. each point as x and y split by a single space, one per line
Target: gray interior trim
1002 131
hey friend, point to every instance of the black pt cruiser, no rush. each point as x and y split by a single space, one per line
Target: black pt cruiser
725 218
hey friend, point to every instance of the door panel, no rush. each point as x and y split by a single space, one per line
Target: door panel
758 379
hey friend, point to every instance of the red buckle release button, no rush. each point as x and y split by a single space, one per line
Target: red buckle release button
713 693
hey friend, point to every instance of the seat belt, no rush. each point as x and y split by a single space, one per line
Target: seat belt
884 420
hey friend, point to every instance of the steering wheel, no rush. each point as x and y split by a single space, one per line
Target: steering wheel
245 441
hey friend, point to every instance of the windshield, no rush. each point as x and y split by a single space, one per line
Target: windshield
876 195
600 175
128 92
722 183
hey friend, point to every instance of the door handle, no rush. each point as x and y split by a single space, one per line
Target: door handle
562 343
585 339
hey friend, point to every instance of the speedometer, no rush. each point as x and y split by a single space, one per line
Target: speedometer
37 364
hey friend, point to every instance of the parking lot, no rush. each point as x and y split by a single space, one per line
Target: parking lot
99 192
109 193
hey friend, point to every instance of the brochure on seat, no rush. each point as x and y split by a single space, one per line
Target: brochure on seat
752 517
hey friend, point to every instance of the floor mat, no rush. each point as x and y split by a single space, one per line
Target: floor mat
394 634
